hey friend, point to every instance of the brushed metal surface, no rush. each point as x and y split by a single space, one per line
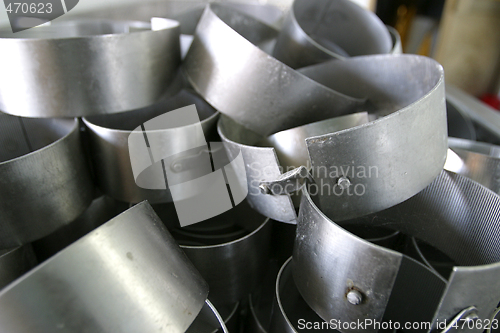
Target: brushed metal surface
85 67
110 150
128 275
45 182
227 68
393 157
318 30
328 261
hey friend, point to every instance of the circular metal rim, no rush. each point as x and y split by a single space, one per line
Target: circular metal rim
218 316
210 17
326 50
277 292
230 316
233 268
396 40
27 216
65 23
105 129
370 123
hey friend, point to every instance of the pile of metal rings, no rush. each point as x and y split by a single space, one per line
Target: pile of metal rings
361 215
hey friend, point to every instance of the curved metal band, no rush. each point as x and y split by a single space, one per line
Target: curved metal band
319 30
475 160
372 156
291 313
255 89
286 313
231 251
110 150
87 67
128 275
15 262
453 214
45 183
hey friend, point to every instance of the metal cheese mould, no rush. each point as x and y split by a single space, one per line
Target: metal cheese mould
110 150
129 265
310 36
80 68
467 233
413 109
44 183
359 186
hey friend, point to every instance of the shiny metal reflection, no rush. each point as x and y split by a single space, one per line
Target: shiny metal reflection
45 182
87 67
128 275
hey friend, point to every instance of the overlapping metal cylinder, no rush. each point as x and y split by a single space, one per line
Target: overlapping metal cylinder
358 206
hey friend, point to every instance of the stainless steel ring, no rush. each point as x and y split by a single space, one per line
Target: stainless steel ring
454 214
128 275
86 67
475 160
15 262
230 251
410 109
255 89
318 30
45 183
110 151
263 307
